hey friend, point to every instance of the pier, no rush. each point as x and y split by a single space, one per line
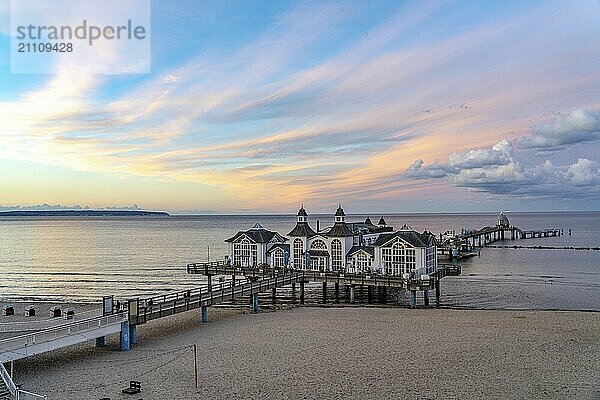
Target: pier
414 284
469 242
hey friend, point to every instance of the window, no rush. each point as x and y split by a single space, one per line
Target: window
244 253
277 258
397 259
299 259
318 245
363 261
336 254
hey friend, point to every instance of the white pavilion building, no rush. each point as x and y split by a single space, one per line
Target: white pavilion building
359 247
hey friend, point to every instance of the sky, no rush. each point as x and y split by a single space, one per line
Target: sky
259 106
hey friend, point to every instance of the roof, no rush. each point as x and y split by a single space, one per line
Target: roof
340 211
302 212
257 234
358 227
282 246
412 237
355 249
339 229
368 221
381 221
302 229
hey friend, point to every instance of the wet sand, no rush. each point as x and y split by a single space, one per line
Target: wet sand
337 353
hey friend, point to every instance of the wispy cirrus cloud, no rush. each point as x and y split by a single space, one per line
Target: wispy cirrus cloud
311 108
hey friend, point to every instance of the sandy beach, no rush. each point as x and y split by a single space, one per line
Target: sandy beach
312 352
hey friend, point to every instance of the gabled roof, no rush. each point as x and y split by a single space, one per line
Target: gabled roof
413 238
302 229
355 249
258 234
339 229
284 247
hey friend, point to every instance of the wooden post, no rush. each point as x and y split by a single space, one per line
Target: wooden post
204 312
100 342
301 292
337 292
255 302
274 294
324 292
437 292
209 283
352 294
384 294
426 298
369 294
195 366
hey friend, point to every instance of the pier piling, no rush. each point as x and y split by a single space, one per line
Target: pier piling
352 294
324 292
254 302
301 292
426 298
337 292
132 335
274 295
437 292
204 309
101 341
124 336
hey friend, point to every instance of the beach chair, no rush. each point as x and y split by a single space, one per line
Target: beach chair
30 311
55 312
134 388
70 314
8 309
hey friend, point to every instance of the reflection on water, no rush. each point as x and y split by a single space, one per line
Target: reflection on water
86 258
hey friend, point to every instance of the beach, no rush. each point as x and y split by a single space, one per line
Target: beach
336 352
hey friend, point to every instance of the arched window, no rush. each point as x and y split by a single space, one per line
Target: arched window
299 260
244 253
277 257
394 258
337 260
318 245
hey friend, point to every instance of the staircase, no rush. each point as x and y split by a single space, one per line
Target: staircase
4 393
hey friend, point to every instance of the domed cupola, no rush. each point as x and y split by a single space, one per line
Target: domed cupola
340 215
381 222
302 229
368 221
302 215
502 221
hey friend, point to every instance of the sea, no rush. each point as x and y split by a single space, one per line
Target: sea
81 259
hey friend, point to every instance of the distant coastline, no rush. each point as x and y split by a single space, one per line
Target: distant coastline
84 213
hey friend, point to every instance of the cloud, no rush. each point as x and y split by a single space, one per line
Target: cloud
576 127
497 170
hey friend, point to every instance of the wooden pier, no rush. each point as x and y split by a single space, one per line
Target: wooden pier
424 283
469 243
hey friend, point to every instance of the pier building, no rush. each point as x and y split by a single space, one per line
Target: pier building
355 247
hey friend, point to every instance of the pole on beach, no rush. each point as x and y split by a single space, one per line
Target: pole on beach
196 365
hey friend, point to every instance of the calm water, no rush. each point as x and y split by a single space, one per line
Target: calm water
86 258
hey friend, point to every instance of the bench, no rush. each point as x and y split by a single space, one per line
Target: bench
134 388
